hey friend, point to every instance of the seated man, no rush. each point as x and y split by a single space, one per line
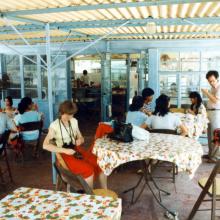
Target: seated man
147 95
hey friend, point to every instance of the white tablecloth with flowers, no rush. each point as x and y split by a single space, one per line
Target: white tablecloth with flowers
183 151
196 124
30 203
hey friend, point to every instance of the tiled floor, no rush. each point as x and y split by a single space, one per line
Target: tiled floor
37 173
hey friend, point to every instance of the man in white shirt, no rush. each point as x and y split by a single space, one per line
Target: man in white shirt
85 78
213 109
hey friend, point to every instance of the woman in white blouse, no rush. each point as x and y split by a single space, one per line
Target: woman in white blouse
68 141
162 118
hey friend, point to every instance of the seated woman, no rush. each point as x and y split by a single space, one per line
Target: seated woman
65 132
162 118
9 109
197 106
135 115
6 123
27 115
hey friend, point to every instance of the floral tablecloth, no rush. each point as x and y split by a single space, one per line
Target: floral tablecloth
30 203
196 124
183 151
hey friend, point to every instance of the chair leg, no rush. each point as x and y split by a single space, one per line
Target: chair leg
8 166
68 187
174 172
199 200
1 176
59 183
213 200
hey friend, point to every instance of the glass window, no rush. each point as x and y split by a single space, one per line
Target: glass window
189 83
118 72
168 86
169 61
12 76
92 66
190 66
190 61
30 77
44 91
210 60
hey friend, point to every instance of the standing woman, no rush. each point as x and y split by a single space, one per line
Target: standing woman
197 106
68 138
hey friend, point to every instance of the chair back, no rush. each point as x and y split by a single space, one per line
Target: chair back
163 131
4 140
31 126
75 181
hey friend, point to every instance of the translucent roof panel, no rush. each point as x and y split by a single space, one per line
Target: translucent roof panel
89 19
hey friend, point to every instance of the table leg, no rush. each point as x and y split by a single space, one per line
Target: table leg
146 176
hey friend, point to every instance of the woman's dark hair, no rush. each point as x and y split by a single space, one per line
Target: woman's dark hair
196 95
147 92
9 98
24 104
162 105
212 73
67 107
137 103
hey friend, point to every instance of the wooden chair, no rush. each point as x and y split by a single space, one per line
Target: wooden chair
211 187
3 154
174 166
33 126
75 182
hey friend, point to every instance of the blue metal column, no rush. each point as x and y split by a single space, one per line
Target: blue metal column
21 62
2 70
153 75
141 72
69 80
3 64
178 80
106 88
128 63
50 92
39 81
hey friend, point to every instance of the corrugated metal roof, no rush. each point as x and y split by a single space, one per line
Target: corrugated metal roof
65 15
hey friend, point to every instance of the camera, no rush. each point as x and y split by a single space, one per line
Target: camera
69 146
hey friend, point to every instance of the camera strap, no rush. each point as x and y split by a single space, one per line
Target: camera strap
70 132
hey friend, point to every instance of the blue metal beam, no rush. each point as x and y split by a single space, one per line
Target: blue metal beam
115 23
26 20
86 38
104 6
38 29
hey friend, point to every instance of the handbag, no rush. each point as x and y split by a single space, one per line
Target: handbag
122 132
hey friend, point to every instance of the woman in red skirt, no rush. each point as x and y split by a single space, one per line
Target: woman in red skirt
65 132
